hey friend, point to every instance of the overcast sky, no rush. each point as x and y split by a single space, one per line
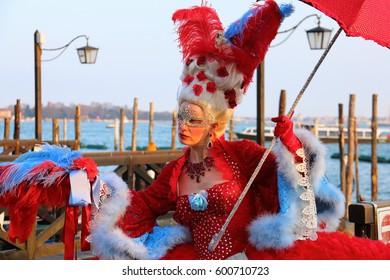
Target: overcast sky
139 58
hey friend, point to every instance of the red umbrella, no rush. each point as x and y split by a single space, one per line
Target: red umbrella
368 19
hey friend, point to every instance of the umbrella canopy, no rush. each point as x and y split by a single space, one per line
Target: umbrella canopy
368 19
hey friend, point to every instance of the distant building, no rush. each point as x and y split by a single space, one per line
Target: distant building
5 113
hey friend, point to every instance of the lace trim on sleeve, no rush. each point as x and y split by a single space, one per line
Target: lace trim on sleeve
307 227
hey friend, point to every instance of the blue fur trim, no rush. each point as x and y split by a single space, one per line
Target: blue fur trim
284 194
161 239
330 203
21 167
272 232
277 231
286 10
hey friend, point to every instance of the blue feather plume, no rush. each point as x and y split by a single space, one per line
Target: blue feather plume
20 169
286 10
238 26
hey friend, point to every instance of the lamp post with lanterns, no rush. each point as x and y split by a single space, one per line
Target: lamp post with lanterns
87 55
318 39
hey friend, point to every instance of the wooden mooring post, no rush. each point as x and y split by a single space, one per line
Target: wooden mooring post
356 161
351 153
231 128
116 134
65 129
135 119
151 122
77 127
282 103
341 152
174 126
7 129
122 130
374 159
17 120
56 131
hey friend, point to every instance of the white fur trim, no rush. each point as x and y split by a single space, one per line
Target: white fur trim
111 243
108 241
314 149
277 231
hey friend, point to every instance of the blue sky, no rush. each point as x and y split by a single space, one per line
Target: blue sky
139 58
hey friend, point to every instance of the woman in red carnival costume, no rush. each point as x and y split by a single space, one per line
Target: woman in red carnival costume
291 211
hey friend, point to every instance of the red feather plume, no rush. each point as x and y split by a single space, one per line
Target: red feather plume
197 28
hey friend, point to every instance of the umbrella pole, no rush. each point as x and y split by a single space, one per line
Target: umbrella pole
313 72
217 237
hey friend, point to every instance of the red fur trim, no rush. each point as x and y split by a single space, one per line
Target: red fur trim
328 246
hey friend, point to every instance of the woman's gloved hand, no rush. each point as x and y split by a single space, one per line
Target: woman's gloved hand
284 130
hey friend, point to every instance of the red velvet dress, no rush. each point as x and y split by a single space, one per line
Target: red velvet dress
161 197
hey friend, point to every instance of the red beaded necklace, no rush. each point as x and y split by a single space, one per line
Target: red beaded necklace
196 170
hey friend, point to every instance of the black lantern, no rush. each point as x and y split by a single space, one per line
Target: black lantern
87 54
318 37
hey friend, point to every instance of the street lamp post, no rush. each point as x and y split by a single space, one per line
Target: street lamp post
38 92
87 55
318 39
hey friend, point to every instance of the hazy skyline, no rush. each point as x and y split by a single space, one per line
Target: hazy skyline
139 58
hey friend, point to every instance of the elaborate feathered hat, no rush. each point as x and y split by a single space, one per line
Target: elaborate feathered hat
219 65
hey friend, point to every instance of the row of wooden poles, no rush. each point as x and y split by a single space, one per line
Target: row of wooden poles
346 170
151 127
56 126
348 167
119 129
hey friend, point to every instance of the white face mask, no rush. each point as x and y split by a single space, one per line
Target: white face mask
188 117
